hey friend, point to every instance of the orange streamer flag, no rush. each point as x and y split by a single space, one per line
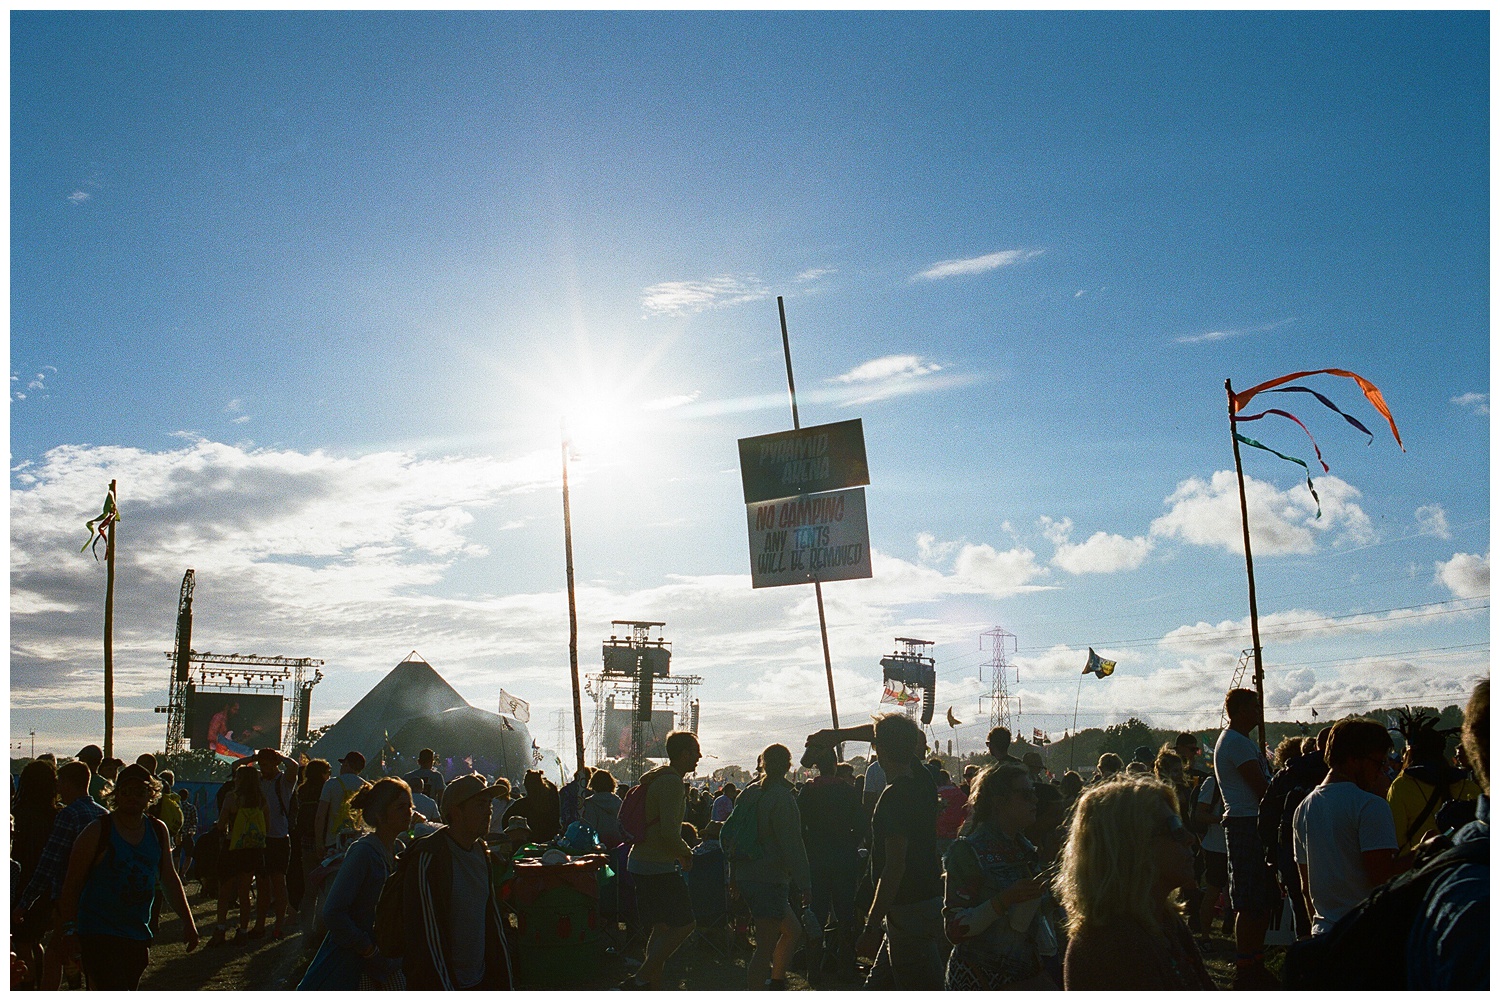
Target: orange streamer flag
1372 393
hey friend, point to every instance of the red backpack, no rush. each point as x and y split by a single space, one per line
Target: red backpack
633 810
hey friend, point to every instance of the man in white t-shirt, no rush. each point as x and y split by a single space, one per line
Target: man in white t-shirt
335 791
1343 833
1242 776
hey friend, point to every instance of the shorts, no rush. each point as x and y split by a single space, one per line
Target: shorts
278 855
1216 869
112 963
663 899
242 861
767 901
1252 881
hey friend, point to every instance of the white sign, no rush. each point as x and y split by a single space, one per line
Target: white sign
811 537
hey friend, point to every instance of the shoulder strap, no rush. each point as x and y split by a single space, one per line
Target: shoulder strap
1432 804
106 827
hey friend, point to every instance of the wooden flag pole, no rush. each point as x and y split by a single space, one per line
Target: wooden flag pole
572 607
109 628
791 388
1239 472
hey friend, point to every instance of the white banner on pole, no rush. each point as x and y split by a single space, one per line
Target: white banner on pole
811 537
516 708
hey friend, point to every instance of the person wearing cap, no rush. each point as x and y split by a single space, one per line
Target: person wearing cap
333 814
454 932
278 781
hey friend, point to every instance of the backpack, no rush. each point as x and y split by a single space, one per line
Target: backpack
632 814
1366 948
168 810
740 837
346 819
390 909
248 829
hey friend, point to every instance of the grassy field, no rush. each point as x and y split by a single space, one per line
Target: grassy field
261 964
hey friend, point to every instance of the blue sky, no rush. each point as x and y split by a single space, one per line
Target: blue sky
317 288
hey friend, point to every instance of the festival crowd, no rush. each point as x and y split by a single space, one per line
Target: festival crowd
1374 867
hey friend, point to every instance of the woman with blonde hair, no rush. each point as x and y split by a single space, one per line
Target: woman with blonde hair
1127 852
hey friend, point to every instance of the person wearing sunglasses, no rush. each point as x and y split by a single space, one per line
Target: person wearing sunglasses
1127 860
994 890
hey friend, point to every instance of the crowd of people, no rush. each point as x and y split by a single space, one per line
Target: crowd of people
904 877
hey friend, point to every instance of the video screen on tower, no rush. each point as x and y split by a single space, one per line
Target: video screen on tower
234 724
617 732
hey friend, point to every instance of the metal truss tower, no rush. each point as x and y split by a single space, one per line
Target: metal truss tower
1001 644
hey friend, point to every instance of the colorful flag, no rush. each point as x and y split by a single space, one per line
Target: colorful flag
1098 666
100 527
899 696
1039 738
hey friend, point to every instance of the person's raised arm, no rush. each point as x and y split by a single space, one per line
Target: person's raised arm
831 736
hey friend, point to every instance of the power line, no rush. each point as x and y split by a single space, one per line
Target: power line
1324 622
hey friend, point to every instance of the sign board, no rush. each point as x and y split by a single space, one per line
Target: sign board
809 460
812 537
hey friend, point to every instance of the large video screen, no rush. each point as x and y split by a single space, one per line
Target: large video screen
623 659
234 724
617 732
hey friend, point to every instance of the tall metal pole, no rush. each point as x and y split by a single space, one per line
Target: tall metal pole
1239 472
791 388
109 628
572 605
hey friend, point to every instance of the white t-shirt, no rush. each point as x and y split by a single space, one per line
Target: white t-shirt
874 780
1213 838
1332 828
1233 750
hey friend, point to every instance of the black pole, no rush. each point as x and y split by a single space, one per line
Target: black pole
1239 472
791 388
109 626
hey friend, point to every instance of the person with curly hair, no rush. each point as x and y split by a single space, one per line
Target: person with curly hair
1126 856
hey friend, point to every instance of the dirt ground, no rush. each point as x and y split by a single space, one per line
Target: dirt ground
261 964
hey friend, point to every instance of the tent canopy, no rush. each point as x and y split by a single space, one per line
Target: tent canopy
499 746
412 689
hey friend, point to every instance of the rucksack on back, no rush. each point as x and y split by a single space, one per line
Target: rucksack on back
740 837
168 810
633 813
390 917
1366 948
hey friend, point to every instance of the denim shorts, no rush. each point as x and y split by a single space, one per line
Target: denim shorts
765 900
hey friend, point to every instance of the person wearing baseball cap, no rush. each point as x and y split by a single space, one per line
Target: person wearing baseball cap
453 928
333 813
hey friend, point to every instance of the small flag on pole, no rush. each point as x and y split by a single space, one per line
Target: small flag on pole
1098 666
953 720
100 527
1039 738
511 706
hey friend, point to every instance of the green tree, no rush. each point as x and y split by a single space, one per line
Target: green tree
1124 738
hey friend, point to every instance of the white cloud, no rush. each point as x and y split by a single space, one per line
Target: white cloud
931 550
1210 336
1292 625
813 274
1433 520
1467 575
671 402
889 367
975 265
79 197
696 296
1478 402
1281 521
1101 553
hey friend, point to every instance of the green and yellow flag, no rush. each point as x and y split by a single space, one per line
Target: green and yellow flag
100 527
